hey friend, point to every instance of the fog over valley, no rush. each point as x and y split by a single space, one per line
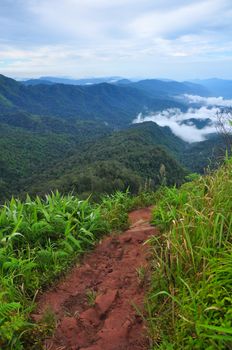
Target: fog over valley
196 123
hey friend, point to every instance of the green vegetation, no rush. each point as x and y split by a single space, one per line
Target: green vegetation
91 297
129 158
200 156
71 138
39 154
190 303
39 240
30 145
116 105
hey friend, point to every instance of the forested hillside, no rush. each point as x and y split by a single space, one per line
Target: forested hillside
131 158
114 104
80 138
30 144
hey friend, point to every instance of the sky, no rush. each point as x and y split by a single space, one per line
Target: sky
176 39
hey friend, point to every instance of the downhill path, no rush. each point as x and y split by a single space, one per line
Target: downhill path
95 303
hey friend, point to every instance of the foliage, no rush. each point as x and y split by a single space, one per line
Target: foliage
57 136
111 103
201 156
39 240
30 145
190 304
129 158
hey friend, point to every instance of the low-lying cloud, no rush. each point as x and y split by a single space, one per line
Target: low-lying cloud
174 118
195 124
208 101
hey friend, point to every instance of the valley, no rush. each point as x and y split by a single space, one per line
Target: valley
81 138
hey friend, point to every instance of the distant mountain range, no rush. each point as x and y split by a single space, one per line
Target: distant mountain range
217 87
115 104
206 87
69 81
80 137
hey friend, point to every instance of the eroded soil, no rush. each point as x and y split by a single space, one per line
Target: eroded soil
96 305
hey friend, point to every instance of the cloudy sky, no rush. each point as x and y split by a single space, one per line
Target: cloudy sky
178 39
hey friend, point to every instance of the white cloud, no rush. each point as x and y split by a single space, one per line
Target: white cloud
176 39
183 124
208 101
174 118
188 19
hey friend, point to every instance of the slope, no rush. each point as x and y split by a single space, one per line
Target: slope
30 144
116 104
190 305
158 88
217 87
131 157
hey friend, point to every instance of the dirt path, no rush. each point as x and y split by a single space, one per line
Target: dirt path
95 304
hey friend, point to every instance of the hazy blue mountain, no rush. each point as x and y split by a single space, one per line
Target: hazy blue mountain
198 123
217 87
69 81
160 88
117 105
39 81
123 82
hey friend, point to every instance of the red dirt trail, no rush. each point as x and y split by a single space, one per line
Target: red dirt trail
109 277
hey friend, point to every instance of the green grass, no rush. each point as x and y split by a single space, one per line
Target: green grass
39 240
190 302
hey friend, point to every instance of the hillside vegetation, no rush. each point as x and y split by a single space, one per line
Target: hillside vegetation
80 138
39 240
39 154
190 304
32 144
130 158
115 104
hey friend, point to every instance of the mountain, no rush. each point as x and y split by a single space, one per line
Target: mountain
116 105
198 123
209 154
123 82
68 81
81 137
30 144
39 153
217 87
39 81
158 88
132 157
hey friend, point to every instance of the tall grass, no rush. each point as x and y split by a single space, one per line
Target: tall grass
39 240
190 303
